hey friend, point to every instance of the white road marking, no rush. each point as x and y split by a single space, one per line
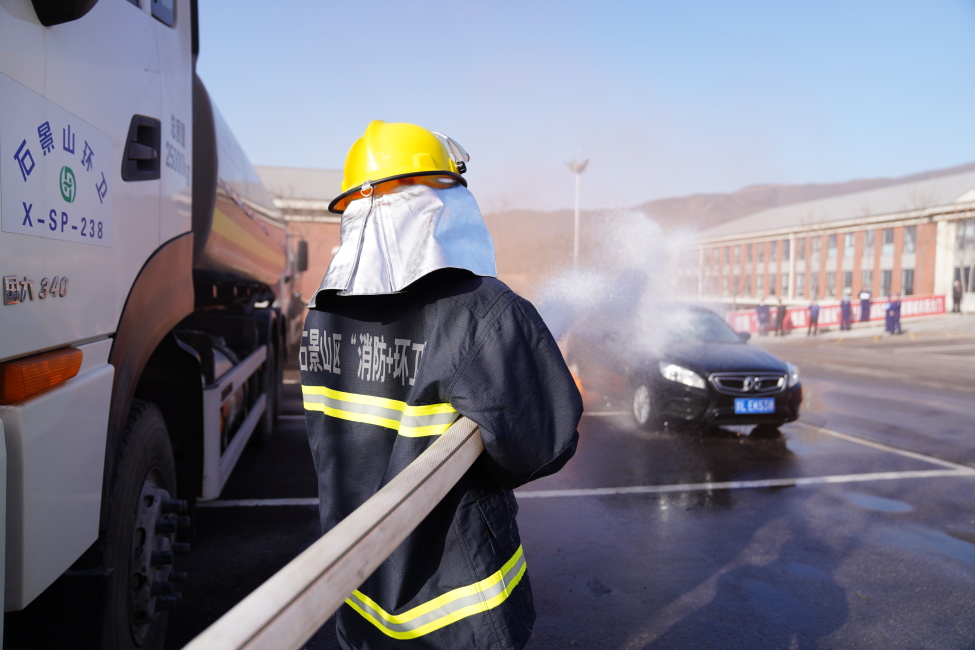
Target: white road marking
950 470
747 485
250 503
936 349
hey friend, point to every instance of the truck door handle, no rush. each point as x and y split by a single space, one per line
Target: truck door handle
141 160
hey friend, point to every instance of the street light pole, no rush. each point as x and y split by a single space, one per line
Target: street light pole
577 168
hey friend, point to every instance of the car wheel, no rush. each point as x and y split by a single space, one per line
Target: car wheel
644 407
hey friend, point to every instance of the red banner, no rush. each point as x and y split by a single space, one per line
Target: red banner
746 320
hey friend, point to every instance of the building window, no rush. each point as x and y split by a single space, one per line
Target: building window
761 251
814 253
801 285
888 246
748 253
866 280
964 275
737 254
727 254
814 286
848 280
801 248
886 278
831 246
910 239
868 237
907 282
773 250
786 244
831 284
785 285
759 291
848 246
966 234
724 286
771 283
748 285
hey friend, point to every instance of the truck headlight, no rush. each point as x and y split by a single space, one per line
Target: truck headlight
681 375
793 374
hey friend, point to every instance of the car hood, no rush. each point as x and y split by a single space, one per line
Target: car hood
706 358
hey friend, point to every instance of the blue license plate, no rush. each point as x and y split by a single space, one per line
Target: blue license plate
752 406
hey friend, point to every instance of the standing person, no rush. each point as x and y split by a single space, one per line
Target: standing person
846 311
813 328
761 315
408 331
956 292
780 319
893 309
865 296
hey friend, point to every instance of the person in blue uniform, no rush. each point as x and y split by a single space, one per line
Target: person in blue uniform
761 315
409 330
846 310
813 328
865 297
893 314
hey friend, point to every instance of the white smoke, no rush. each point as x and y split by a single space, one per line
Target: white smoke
631 266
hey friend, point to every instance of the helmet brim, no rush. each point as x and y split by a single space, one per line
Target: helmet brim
340 203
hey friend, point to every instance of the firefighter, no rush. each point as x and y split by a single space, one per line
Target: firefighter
409 330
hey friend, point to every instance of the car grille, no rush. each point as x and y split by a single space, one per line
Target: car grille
752 383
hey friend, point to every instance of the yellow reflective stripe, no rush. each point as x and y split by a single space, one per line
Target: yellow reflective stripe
483 596
409 420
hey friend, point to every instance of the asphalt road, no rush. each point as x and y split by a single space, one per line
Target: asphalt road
855 528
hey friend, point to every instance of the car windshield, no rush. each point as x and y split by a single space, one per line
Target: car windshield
698 325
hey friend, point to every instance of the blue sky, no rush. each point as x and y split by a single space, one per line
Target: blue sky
664 98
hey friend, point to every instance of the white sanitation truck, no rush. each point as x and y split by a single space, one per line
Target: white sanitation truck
148 307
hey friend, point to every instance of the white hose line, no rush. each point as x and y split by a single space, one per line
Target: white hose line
295 602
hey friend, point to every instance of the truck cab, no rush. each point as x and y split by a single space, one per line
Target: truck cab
148 307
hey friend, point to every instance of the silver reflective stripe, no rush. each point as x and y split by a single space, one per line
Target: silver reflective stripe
446 609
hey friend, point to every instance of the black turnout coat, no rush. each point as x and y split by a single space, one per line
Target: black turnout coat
382 377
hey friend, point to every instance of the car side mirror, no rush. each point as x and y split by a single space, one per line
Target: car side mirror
744 336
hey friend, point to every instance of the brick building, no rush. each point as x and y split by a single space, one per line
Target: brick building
914 239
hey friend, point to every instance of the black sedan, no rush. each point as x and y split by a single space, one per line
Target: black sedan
685 366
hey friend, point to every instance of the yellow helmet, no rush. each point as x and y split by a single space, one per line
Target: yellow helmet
391 151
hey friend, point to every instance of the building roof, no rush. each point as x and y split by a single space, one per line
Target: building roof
893 199
298 183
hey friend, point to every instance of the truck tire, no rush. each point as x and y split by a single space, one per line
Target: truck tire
140 540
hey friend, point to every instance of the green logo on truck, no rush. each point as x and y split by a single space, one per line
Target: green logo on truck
68 185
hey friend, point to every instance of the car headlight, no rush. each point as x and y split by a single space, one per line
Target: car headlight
793 374
681 375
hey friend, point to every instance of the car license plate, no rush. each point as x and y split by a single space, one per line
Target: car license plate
751 405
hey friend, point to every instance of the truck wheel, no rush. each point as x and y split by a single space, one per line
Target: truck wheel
140 541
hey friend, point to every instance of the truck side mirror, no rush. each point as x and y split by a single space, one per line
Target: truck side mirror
301 262
51 12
